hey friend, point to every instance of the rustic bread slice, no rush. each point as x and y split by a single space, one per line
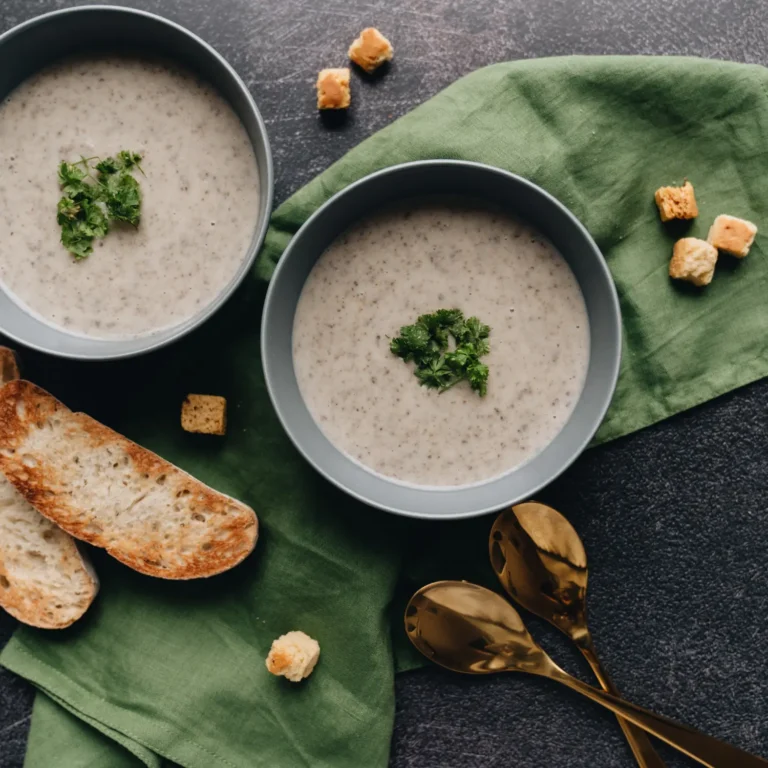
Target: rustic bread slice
108 491
44 579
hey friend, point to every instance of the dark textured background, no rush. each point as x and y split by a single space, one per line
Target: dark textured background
674 518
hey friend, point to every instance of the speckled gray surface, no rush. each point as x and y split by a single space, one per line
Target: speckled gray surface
674 518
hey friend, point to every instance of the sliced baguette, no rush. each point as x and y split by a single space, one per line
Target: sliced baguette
104 489
45 580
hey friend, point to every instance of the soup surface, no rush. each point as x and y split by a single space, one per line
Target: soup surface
200 195
384 273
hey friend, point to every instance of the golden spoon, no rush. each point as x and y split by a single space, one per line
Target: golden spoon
540 561
467 628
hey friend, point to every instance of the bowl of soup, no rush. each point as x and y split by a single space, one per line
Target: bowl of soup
374 268
115 275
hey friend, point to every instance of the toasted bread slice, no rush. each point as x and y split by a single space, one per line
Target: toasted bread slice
100 487
45 580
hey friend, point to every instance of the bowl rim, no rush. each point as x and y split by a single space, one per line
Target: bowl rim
284 261
260 231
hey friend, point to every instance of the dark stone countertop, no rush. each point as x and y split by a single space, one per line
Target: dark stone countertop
674 518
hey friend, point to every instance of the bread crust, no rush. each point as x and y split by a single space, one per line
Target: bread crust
9 365
192 531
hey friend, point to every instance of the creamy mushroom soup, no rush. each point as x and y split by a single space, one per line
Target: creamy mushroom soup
200 195
384 273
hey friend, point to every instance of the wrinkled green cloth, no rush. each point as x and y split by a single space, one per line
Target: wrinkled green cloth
159 671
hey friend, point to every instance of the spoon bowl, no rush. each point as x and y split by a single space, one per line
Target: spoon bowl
459 626
541 562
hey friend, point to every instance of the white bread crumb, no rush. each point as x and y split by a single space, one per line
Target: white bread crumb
693 260
293 655
732 235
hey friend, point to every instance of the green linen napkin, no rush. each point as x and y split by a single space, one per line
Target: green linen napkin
160 672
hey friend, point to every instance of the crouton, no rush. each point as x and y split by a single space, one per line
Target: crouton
677 202
333 89
293 655
693 260
732 235
206 414
370 50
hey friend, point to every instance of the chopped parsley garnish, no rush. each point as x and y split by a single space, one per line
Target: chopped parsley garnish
95 194
427 343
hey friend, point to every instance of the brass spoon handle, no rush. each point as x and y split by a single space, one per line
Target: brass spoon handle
640 744
706 749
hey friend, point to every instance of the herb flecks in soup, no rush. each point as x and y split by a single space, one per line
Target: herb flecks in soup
403 263
199 206
427 343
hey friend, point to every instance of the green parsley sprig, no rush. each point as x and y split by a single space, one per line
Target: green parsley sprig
427 343
94 194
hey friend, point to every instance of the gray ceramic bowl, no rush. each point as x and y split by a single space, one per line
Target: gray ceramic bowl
30 46
418 180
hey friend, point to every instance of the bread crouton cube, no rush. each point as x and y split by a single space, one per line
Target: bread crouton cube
293 655
732 235
333 88
693 260
206 414
9 366
371 49
677 202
